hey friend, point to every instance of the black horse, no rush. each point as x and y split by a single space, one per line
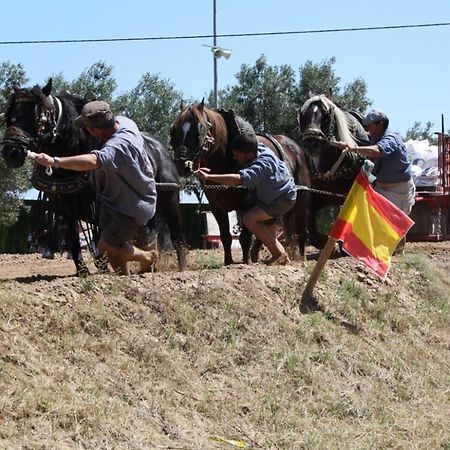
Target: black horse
40 122
332 171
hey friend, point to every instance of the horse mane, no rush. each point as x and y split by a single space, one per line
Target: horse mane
71 136
343 130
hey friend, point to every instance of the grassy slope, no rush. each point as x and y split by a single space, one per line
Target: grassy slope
171 360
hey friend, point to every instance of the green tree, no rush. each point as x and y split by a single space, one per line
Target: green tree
153 104
264 96
270 96
59 83
320 78
12 182
96 82
420 132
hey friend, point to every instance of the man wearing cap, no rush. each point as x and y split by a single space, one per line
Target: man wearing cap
392 169
123 178
269 179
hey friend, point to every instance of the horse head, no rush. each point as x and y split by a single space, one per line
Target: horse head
30 119
315 119
193 135
321 124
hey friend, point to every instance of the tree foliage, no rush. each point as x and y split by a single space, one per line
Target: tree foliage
264 96
320 78
95 82
420 132
270 96
153 104
12 182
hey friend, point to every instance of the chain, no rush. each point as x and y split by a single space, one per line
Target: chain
212 187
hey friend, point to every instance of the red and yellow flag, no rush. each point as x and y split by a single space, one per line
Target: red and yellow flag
370 226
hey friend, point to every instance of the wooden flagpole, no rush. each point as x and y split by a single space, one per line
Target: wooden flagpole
323 258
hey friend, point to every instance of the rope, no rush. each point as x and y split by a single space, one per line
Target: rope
32 155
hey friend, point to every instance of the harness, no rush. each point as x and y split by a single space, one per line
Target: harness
47 122
339 170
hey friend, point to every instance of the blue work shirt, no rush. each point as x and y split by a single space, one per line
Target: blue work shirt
125 180
392 166
269 177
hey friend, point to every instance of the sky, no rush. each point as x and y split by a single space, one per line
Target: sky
407 71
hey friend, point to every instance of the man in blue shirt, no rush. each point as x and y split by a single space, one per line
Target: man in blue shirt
124 181
273 185
392 169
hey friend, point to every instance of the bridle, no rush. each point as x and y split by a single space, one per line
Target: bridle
327 136
47 119
205 142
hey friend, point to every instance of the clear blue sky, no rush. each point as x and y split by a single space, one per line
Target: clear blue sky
407 71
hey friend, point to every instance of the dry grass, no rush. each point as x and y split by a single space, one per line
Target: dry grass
171 360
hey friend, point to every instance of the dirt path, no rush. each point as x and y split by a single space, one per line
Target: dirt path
31 267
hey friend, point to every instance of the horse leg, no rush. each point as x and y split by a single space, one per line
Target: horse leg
169 206
255 249
300 223
245 239
225 235
288 233
73 245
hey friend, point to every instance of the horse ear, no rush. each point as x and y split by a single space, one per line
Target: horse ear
16 88
183 105
201 105
330 94
47 89
310 93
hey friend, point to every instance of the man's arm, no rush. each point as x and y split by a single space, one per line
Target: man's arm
79 163
229 179
369 151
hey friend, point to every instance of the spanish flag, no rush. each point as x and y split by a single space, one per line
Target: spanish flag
370 226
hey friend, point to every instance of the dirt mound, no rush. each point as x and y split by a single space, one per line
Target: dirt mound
222 357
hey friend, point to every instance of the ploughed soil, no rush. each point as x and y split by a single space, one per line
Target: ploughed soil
31 268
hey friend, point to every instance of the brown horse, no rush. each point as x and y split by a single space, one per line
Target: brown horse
201 137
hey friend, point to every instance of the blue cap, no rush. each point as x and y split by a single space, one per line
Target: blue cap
376 115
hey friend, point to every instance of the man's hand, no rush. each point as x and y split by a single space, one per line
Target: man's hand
202 173
44 160
341 145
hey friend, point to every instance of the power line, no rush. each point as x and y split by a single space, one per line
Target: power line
204 36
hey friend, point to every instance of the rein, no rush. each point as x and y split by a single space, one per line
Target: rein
205 138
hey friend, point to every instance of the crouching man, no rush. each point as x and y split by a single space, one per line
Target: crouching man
123 179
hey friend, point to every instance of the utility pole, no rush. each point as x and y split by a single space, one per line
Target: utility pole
214 56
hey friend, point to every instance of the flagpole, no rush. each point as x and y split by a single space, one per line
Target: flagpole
318 268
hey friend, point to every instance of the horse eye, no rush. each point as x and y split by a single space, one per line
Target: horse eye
13 120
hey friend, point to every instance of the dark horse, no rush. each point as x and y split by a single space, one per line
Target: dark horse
201 136
332 171
40 122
